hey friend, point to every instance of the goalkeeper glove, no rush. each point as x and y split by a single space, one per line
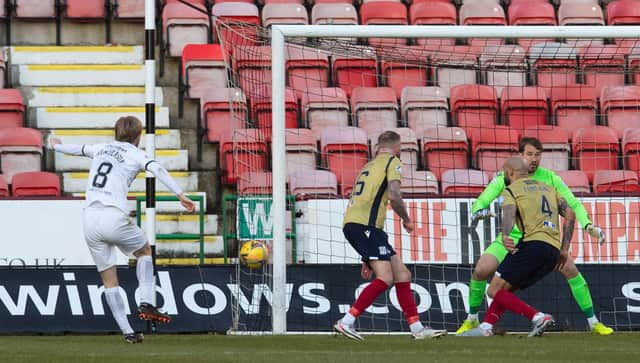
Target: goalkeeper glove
595 232
481 214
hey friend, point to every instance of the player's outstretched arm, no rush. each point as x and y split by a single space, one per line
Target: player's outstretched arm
397 204
480 207
166 179
70 149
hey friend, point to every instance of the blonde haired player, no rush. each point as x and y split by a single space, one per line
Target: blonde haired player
377 184
106 220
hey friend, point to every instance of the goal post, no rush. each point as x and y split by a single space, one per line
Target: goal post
279 36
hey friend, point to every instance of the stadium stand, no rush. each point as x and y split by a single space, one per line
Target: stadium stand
620 106
255 182
615 181
374 108
253 67
357 70
85 9
182 25
223 111
474 106
482 13
202 67
35 9
242 150
4 188
345 151
603 65
338 13
261 110
491 147
384 13
323 107
313 183
418 183
306 68
531 13
410 72
20 151
631 149
464 181
524 107
240 15
35 184
301 150
444 148
553 65
433 13
503 65
12 108
595 148
555 141
456 65
424 107
576 180
128 9
273 13
573 107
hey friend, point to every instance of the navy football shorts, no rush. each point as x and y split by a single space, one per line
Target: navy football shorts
533 261
370 242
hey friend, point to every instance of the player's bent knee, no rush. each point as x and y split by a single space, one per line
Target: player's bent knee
144 251
569 269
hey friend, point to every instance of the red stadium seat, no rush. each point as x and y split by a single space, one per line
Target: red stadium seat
624 12
595 148
411 72
409 148
576 180
580 13
634 65
261 110
384 13
464 181
313 184
531 13
255 182
203 67
11 108
621 107
34 9
35 184
424 107
339 14
4 188
631 149
301 149
183 25
474 106
573 107
20 151
278 13
418 183
322 107
615 181
85 9
524 107
555 141
482 13
553 65
455 65
238 18
306 68
503 65
374 108
242 150
253 67
603 65
444 148
490 147
129 9
345 152
433 13
357 70
3 70
223 111
3 9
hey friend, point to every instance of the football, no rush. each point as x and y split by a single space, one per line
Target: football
253 254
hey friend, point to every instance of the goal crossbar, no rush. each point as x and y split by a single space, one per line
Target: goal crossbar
279 33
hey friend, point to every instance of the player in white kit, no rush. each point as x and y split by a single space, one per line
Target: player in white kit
107 225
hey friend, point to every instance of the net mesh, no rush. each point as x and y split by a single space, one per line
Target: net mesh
461 107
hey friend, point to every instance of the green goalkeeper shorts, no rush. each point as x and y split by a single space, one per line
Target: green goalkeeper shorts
497 249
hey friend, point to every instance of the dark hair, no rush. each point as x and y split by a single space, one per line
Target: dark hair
529 141
388 139
128 128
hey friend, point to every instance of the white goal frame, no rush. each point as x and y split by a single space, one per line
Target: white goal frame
279 33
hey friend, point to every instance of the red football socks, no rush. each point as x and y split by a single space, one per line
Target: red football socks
368 296
407 302
512 303
494 313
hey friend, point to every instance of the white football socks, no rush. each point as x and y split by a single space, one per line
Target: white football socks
472 317
348 319
592 321
486 326
416 327
116 304
539 315
146 280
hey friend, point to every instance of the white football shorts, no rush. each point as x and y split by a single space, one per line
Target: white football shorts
106 228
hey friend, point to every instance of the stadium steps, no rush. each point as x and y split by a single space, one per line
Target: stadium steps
92 117
165 138
188 248
76 182
173 207
171 159
184 223
99 96
80 75
29 55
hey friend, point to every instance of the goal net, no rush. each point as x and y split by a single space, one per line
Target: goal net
461 98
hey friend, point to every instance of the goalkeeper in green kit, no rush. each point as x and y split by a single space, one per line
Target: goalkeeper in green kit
531 150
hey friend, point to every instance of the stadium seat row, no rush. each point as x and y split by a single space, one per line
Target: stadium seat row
345 150
31 184
455 182
20 151
72 9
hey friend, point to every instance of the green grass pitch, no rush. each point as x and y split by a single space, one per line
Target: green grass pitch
561 347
